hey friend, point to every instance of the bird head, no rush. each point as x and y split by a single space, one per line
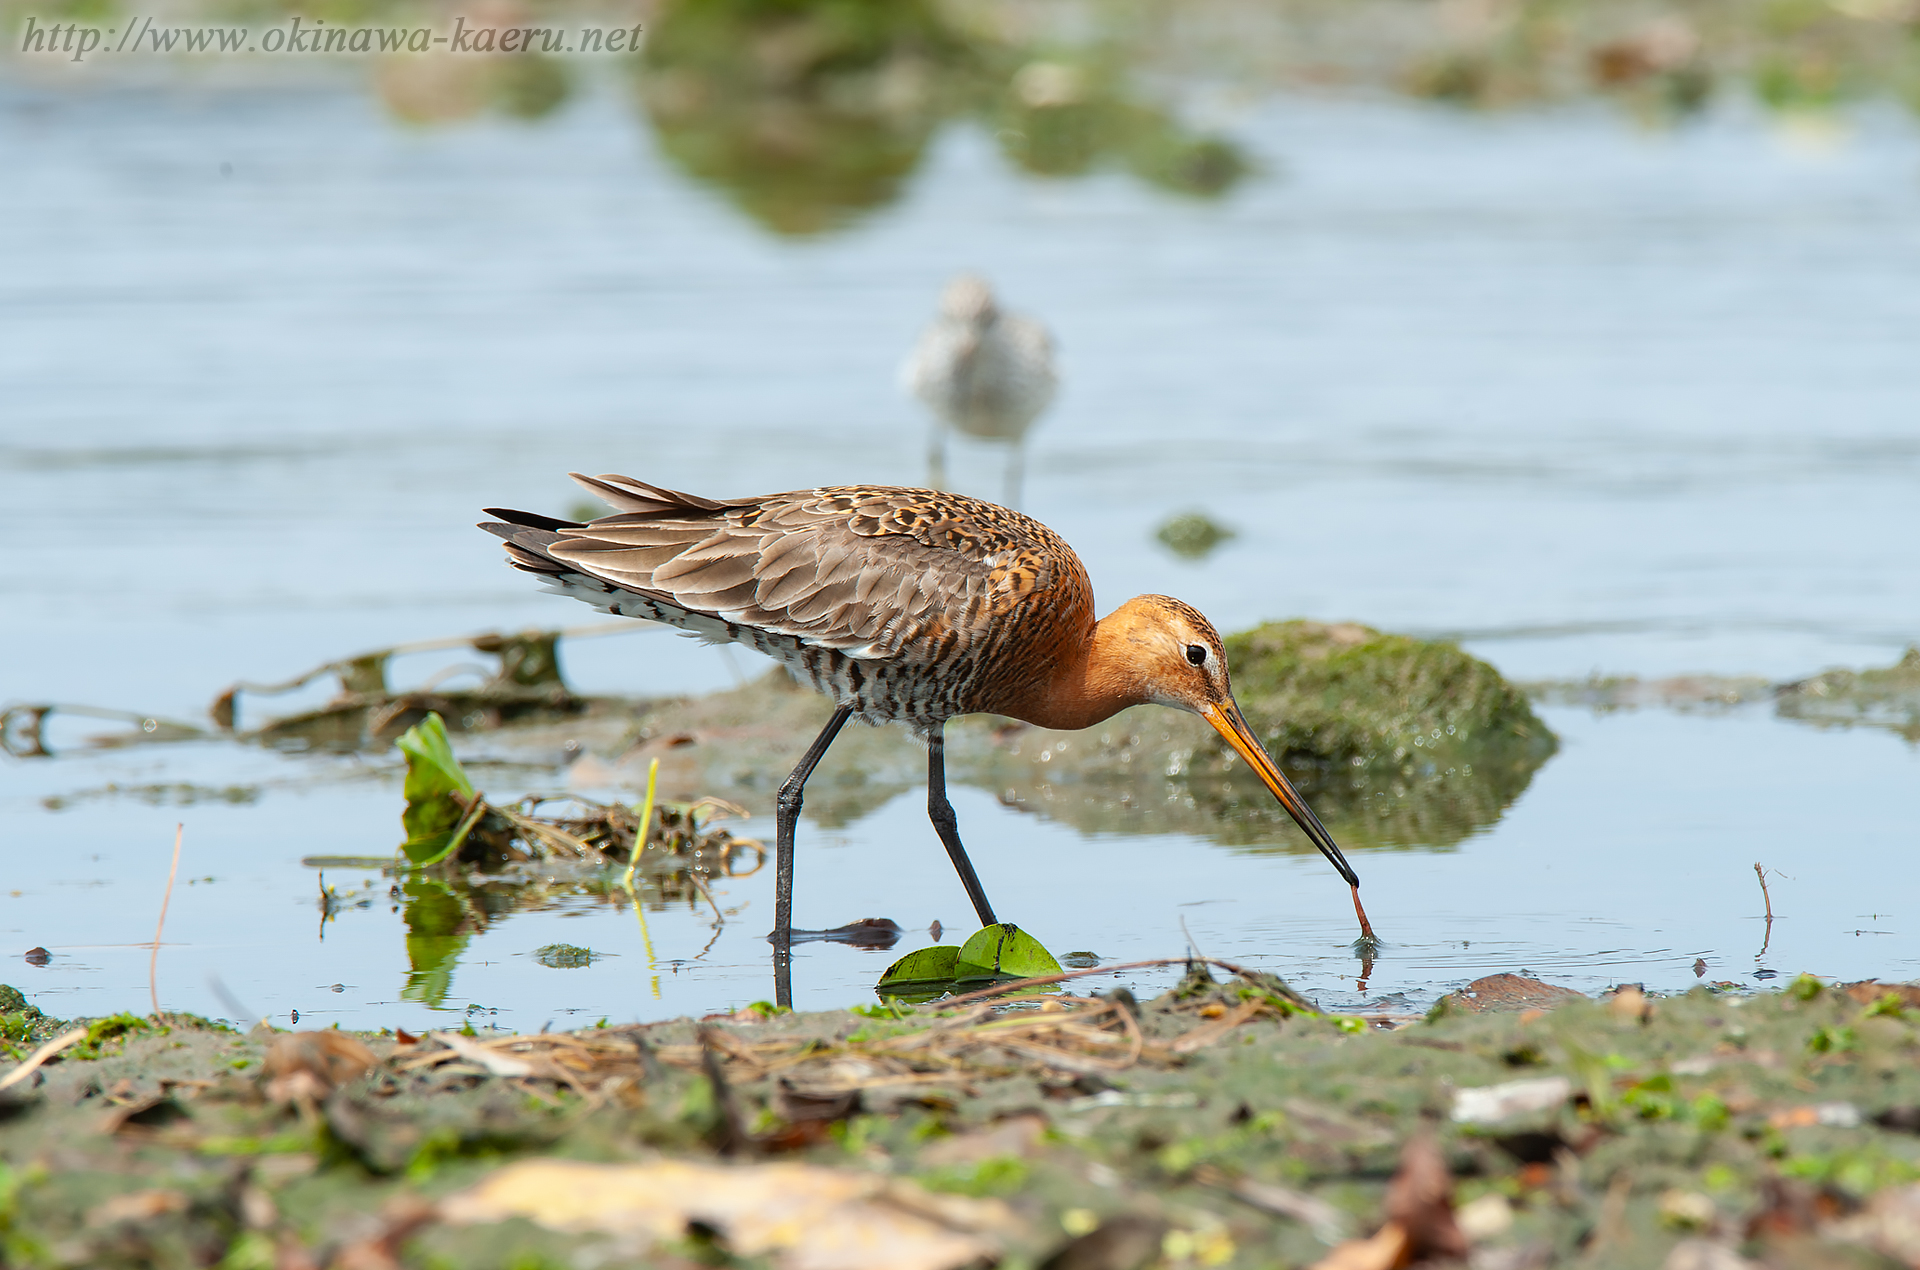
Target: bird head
967 298
1181 661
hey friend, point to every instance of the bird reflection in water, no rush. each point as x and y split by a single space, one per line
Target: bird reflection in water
984 372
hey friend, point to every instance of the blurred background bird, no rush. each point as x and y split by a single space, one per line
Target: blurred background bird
987 373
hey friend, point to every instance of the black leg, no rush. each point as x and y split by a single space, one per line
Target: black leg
786 815
940 812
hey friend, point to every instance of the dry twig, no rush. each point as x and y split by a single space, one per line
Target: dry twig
153 962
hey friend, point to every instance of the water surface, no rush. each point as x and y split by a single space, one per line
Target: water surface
1586 396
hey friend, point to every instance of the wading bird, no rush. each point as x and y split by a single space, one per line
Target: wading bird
982 371
903 606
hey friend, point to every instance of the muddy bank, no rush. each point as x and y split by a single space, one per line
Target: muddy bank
1223 1124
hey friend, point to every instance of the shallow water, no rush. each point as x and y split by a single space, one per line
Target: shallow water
1619 864
1585 396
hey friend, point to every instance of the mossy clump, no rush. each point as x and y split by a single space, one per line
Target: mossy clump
1349 694
1191 535
563 956
22 1025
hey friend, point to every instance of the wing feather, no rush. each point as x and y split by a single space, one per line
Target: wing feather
629 495
876 572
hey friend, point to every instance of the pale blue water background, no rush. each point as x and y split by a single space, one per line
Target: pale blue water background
1589 397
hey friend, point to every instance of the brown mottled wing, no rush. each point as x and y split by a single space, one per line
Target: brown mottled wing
879 572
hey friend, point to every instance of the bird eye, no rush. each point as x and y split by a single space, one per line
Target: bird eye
1196 655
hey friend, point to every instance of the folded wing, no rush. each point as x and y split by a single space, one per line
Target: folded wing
872 572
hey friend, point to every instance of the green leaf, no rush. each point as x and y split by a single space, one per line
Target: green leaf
921 975
995 953
442 804
1004 951
922 965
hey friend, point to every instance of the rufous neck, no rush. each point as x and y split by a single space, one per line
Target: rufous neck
1097 681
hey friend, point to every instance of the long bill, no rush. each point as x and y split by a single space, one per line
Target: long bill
1231 724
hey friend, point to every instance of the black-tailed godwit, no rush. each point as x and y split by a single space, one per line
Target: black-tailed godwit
901 605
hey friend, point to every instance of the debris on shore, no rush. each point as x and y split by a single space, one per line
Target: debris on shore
1225 1123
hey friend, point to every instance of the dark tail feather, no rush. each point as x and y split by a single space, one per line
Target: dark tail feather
525 520
527 543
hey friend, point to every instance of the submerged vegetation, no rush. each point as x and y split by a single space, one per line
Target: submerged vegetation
467 860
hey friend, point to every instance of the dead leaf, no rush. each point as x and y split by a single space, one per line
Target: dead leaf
1016 1135
1420 1224
149 1113
1207 1033
800 1106
257 1209
305 1067
1420 1200
802 1216
137 1206
1384 1251
1328 1224
1890 1224
1335 1127
496 1064
1126 1242
1790 1209
1705 1254
399 1219
289 1255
